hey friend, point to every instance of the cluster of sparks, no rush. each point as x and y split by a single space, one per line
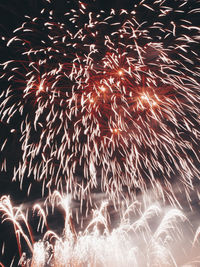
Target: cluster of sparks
134 242
105 99
109 101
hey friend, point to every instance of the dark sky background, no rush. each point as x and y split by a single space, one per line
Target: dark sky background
11 16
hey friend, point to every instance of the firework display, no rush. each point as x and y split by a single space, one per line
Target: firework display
133 243
104 101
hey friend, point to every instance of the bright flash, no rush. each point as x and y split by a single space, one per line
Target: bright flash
102 88
115 130
41 86
120 72
144 97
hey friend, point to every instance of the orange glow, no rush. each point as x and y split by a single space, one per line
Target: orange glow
120 72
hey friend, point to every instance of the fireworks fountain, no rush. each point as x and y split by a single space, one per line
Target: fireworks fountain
134 242
105 101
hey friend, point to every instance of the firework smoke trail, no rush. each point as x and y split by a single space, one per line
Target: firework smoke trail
144 243
114 97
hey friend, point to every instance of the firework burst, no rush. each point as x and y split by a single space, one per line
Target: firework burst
105 98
